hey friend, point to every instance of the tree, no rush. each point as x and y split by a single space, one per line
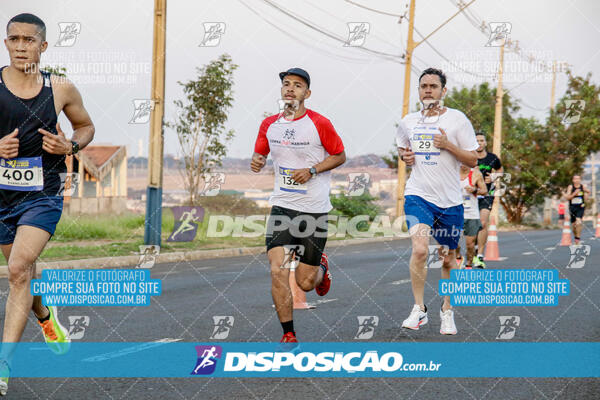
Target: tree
200 121
58 71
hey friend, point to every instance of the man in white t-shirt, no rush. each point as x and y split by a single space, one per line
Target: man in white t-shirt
304 147
434 142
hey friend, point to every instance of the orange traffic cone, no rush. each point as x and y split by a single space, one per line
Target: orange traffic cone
598 226
492 253
566 232
298 294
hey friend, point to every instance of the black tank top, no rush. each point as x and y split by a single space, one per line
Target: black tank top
29 115
577 201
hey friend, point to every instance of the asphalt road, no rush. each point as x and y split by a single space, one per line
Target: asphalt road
369 280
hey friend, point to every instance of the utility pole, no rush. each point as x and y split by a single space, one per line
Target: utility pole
410 47
152 227
594 205
497 146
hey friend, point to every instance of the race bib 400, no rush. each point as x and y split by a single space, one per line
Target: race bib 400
287 184
24 174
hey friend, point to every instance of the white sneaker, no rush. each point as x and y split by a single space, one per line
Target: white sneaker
416 318
447 326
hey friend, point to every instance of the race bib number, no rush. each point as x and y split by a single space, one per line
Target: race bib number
576 200
466 201
422 142
23 174
287 184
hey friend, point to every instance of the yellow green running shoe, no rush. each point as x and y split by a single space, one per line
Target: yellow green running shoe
56 336
4 374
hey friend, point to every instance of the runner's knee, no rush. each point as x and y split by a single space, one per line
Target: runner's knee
18 274
420 252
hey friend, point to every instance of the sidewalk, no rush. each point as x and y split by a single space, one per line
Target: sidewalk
178 256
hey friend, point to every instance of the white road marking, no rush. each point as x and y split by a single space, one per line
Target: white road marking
528 253
132 349
550 248
325 301
400 282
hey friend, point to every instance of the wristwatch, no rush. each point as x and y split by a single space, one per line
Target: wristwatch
313 171
75 147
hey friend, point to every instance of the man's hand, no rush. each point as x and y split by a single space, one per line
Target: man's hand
9 145
302 175
471 189
56 144
441 141
407 155
487 179
258 162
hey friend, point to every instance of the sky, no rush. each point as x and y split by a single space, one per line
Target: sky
360 91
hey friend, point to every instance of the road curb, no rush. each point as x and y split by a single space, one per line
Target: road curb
178 256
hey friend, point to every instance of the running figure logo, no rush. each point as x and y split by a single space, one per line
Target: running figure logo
69 182
223 324
212 183
77 325
288 136
573 111
212 33
207 359
68 33
434 260
431 110
186 223
579 254
508 327
357 33
366 326
500 181
358 182
148 254
141 112
292 255
498 33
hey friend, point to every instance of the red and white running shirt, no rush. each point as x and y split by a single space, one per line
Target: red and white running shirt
295 144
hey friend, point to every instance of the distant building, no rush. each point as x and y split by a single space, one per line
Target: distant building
100 185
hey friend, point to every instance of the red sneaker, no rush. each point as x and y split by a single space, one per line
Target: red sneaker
288 343
289 337
325 284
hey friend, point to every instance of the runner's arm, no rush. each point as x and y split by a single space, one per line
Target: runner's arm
479 183
466 157
83 127
331 162
570 193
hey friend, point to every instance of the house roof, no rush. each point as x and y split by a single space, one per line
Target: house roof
99 160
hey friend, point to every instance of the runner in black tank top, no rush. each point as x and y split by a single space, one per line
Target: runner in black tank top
32 157
29 115
576 194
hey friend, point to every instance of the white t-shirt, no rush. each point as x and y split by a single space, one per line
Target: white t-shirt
470 202
296 144
435 175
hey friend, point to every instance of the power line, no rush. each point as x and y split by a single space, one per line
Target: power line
374 10
388 56
309 45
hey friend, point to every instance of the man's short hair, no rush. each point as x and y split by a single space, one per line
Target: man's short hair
434 71
29 19
481 134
